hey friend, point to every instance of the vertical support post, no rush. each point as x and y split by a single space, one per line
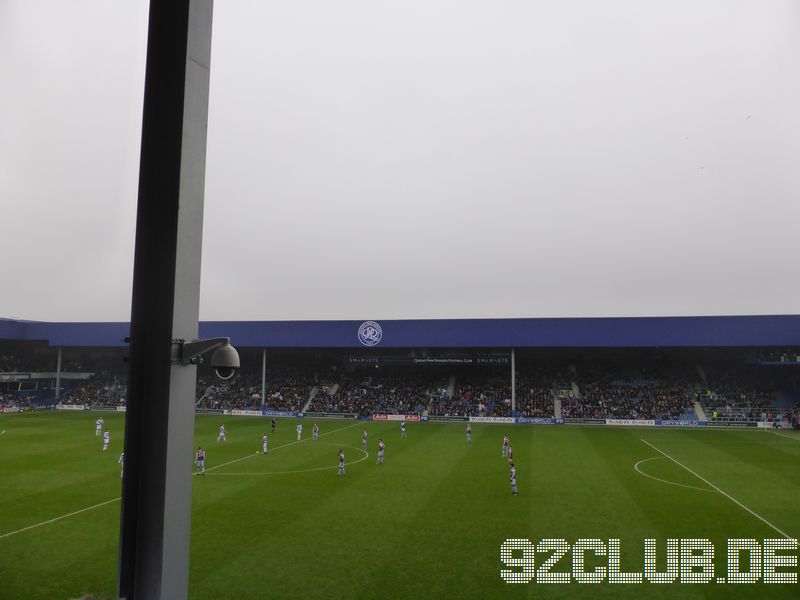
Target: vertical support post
263 378
159 424
58 376
513 382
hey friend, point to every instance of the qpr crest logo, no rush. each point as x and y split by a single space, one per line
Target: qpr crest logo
370 333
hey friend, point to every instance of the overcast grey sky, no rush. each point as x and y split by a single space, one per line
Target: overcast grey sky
420 159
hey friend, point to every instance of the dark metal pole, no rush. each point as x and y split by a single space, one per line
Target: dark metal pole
58 376
156 494
513 382
263 377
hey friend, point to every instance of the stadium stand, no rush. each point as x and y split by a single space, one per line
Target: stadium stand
744 394
728 385
633 392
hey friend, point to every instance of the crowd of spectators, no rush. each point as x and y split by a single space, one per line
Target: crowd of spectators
631 394
363 392
476 394
535 394
739 395
101 389
7 399
27 362
789 354
287 389
587 388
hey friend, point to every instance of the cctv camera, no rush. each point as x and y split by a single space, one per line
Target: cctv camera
225 361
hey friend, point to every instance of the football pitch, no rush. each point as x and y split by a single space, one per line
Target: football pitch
427 523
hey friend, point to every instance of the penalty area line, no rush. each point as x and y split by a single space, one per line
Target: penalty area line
683 485
77 512
728 496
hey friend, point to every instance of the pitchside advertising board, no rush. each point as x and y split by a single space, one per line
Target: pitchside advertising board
325 415
259 413
290 414
638 422
492 419
9 409
539 421
387 417
568 421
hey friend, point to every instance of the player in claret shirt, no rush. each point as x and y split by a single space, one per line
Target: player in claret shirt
315 432
200 461
510 454
341 463
469 433
505 445
381 447
364 440
273 424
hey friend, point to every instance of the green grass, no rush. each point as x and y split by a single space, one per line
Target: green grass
428 523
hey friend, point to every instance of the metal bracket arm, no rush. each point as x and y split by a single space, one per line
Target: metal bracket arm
190 353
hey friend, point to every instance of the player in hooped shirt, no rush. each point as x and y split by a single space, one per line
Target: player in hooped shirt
200 460
264 442
106 439
221 435
341 463
364 440
98 427
513 477
299 431
315 432
381 448
121 461
403 428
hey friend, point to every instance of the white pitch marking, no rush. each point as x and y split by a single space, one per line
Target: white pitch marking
276 448
788 437
691 487
77 512
2 432
355 462
728 496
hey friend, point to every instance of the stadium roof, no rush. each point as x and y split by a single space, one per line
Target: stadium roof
757 330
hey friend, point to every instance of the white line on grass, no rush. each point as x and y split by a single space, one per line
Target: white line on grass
2 432
691 487
88 508
77 512
788 437
355 462
728 496
235 460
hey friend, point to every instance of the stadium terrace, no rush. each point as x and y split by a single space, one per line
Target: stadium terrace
681 377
